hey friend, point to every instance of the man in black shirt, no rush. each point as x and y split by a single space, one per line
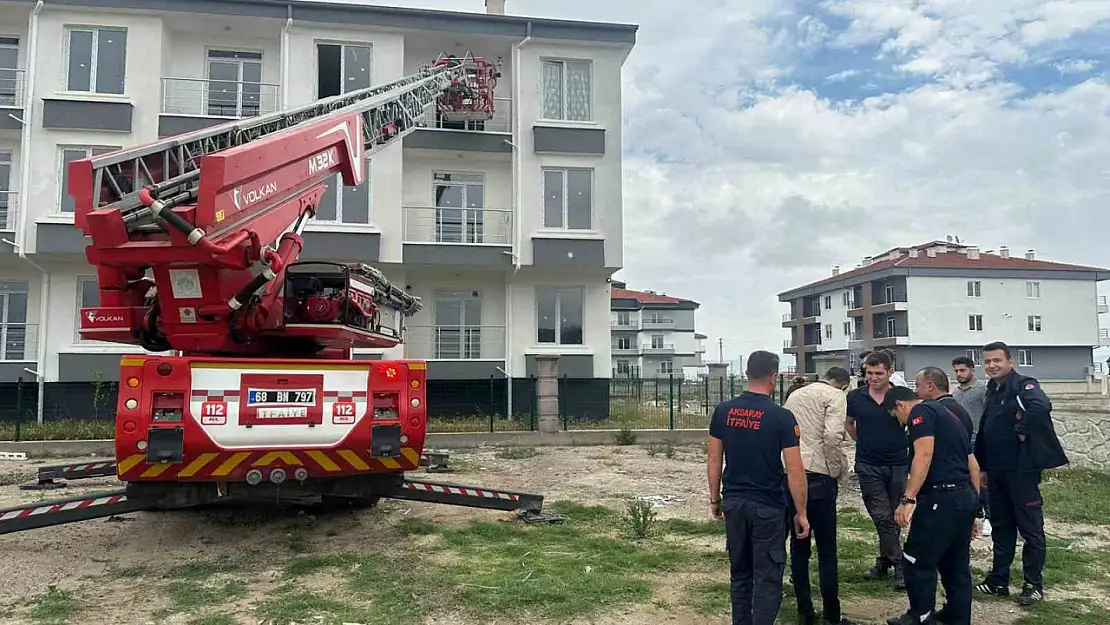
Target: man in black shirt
932 384
1016 442
752 436
942 499
882 462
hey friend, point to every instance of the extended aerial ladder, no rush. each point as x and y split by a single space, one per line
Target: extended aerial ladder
252 392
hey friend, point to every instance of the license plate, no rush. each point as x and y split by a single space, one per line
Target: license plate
283 397
290 412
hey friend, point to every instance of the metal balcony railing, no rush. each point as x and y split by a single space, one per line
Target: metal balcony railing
788 317
202 97
455 342
663 348
11 87
501 122
1104 337
9 210
1102 306
788 344
19 342
625 351
659 324
465 226
617 324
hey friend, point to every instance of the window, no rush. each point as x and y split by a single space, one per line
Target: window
10 78
96 60
888 293
846 297
68 155
624 318
1034 323
7 196
459 199
342 68
666 367
15 344
234 87
976 355
1025 358
848 329
974 288
891 325
828 330
559 315
1033 290
567 90
567 198
458 325
88 296
623 367
828 302
346 205
975 323
657 341
624 342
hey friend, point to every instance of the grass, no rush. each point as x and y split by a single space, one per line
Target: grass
58 430
1076 496
55 606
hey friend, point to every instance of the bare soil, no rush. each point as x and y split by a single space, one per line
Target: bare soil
97 559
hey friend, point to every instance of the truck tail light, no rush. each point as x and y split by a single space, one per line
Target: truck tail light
168 408
386 406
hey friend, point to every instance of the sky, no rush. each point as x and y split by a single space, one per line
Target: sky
766 141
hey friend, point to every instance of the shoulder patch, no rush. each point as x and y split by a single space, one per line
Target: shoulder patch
1030 386
797 431
917 421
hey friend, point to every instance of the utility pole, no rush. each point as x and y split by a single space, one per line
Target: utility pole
721 349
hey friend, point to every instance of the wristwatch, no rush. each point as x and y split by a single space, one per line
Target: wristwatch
908 500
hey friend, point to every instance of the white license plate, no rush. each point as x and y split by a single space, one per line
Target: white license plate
291 412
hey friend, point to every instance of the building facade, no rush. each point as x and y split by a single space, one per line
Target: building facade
653 334
931 303
508 229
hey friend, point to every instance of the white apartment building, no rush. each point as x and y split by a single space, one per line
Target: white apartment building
653 334
509 230
933 302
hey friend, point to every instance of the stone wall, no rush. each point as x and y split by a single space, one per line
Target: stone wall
1083 425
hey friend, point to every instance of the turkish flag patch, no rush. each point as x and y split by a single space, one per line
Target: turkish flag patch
797 431
918 421
1030 386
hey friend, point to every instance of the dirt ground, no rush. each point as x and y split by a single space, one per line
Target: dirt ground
93 556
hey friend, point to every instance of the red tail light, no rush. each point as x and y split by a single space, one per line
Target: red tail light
168 408
386 406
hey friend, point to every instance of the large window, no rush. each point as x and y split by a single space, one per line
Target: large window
15 344
96 59
559 315
88 296
567 90
342 68
568 198
458 329
70 153
459 199
234 83
343 204
10 77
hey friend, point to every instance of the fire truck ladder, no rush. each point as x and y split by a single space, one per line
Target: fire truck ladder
170 168
528 506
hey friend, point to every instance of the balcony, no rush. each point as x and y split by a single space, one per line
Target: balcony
455 342
626 351
658 350
9 211
1102 307
630 325
192 103
789 320
1104 337
789 344
11 95
19 342
457 236
489 135
658 324
889 338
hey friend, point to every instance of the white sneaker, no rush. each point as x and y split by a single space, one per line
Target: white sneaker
985 529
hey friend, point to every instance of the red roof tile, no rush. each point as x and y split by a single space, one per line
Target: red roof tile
955 258
647 298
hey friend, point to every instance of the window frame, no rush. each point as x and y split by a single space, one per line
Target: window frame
1033 323
565 221
63 177
565 62
82 280
1032 289
559 291
975 354
68 31
342 43
974 288
208 59
828 331
972 321
1025 357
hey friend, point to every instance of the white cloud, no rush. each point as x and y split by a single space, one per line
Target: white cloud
770 195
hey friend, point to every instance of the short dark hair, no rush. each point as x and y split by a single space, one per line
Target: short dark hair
963 360
762 364
898 393
890 353
937 376
864 356
998 345
839 375
875 359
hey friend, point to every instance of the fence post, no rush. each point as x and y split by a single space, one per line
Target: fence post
670 399
681 383
491 398
18 408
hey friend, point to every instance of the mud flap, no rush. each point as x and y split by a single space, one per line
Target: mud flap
165 445
385 441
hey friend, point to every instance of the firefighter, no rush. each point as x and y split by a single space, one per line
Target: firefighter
1016 442
942 499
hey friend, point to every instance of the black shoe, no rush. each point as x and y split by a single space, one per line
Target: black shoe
990 589
909 619
877 572
1030 595
899 580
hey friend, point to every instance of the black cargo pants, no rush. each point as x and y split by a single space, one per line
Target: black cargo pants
756 543
1016 506
822 492
882 488
939 541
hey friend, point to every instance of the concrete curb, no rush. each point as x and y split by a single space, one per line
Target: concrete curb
464 440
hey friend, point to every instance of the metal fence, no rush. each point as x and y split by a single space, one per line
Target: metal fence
73 410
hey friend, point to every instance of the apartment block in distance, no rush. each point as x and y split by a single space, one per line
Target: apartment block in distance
931 303
509 229
653 334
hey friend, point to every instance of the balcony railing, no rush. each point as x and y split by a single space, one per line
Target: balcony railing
788 344
1102 307
201 97
465 226
11 87
663 348
1104 337
19 342
616 324
887 334
658 324
9 210
455 342
502 120
788 317
626 351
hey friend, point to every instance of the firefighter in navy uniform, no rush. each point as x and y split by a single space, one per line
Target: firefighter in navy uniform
1016 442
752 436
942 499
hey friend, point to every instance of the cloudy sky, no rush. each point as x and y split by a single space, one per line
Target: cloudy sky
768 140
